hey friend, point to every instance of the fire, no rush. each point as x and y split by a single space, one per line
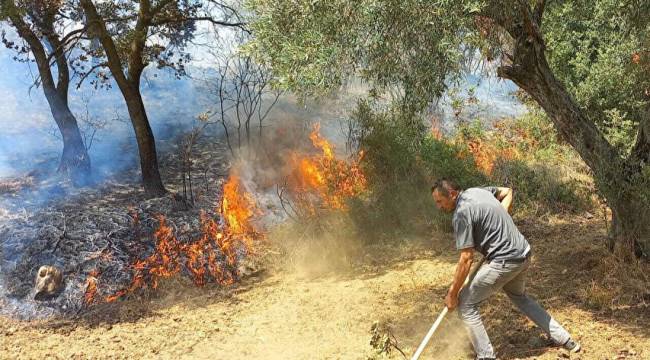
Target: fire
238 206
322 179
485 153
484 156
320 143
91 287
315 180
213 256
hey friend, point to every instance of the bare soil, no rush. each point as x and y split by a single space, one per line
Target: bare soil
326 312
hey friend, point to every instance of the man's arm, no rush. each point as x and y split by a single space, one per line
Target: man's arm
462 269
505 196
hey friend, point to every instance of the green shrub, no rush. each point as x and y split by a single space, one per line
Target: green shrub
540 188
402 160
397 200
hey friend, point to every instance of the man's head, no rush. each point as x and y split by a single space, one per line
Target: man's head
445 192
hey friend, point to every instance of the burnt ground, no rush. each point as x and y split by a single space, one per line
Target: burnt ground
304 311
101 229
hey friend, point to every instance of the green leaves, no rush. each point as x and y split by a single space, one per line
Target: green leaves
304 50
416 47
590 45
473 7
314 46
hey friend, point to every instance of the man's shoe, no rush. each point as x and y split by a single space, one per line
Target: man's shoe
572 346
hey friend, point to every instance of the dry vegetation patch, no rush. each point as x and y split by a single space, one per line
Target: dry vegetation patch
288 314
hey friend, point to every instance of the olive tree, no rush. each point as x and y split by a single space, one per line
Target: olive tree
572 58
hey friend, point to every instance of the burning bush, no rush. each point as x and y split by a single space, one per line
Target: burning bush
314 181
321 180
525 154
400 163
212 257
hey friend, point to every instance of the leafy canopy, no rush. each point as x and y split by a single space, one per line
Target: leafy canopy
410 45
419 46
595 48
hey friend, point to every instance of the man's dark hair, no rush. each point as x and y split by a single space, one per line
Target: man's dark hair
444 186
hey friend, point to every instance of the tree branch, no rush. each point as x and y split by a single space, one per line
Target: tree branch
530 23
58 52
59 48
96 25
161 5
136 62
89 72
539 11
170 20
36 47
640 154
531 72
68 36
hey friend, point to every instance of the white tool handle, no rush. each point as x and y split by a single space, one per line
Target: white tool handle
435 325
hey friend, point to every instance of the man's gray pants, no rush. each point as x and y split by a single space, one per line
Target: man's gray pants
511 277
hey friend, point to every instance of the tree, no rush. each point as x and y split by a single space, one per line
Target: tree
135 34
418 47
41 26
242 88
590 95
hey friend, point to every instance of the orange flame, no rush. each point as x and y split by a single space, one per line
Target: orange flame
91 287
315 180
320 143
485 153
213 256
237 206
484 156
323 180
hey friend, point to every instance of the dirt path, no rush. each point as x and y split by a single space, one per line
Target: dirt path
297 315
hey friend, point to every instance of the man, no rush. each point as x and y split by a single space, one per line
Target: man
482 223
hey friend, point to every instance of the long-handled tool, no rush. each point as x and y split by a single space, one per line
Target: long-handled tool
442 315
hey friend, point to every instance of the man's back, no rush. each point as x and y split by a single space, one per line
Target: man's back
481 222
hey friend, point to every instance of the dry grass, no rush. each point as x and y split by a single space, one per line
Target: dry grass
328 314
15 185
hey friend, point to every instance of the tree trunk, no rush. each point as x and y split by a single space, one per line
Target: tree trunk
531 72
75 161
130 88
151 179
631 225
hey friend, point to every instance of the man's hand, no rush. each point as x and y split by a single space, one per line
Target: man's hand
504 195
462 269
451 301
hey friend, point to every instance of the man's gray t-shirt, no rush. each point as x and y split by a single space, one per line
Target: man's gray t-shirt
481 222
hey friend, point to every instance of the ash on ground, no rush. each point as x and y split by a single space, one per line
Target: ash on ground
95 232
